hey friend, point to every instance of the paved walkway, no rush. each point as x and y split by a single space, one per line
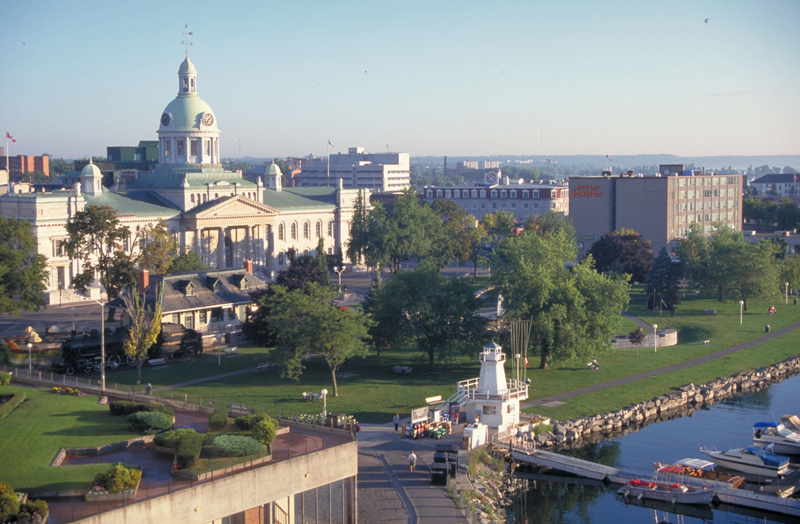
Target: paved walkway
661 371
647 327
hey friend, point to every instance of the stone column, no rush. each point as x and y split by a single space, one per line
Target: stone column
220 247
196 246
248 251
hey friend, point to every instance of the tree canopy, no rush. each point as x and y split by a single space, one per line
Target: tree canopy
575 311
144 327
623 251
663 281
23 273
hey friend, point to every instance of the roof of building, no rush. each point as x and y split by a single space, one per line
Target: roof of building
784 178
138 203
301 198
186 110
91 170
187 67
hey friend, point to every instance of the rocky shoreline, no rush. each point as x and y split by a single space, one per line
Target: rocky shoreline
683 402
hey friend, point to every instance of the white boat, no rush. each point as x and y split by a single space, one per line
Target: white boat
753 460
672 493
783 441
792 423
697 473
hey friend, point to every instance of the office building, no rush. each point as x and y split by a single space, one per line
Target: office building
379 172
781 185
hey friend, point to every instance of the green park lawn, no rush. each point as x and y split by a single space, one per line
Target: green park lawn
34 432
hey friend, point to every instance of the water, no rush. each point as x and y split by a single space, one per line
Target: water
724 425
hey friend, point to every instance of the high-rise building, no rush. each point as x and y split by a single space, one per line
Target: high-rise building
379 172
23 164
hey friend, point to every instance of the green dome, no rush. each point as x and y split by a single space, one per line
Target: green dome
274 169
187 67
91 170
186 111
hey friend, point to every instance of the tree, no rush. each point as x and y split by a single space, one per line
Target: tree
546 223
575 312
305 321
96 238
636 336
321 257
455 242
790 271
623 251
144 327
190 261
410 230
157 248
788 215
264 430
23 272
478 237
439 314
663 280
499 224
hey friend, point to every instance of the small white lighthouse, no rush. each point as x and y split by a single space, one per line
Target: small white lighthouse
491 398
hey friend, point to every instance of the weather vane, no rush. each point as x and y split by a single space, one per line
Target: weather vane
186 41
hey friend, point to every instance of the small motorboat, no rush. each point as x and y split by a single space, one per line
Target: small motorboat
792 423
753 460
783 441
697 472
672 493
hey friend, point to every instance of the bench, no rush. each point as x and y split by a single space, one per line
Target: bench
157 361
230 350
710 311
240 408
264 366
402 370
706 342
310 395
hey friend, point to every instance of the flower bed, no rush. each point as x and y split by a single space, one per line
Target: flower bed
69 391
118 483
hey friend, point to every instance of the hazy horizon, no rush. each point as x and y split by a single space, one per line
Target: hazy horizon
519 78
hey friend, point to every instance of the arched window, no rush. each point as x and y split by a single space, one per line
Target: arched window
306 230
192 199
216 196
330 228
319 229
294 231
185 84
204 198
281 232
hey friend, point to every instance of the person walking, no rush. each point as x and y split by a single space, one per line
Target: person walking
412 461
396 420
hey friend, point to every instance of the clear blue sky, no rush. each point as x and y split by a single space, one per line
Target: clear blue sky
427 78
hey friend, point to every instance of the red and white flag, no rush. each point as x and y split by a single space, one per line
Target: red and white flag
526 361
609 158
8 135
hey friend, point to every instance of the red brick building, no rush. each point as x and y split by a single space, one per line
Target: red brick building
22 164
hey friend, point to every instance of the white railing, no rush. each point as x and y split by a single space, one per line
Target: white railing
515 390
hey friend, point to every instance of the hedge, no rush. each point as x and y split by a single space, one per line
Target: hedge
236 446
149 423
218 420
264 431
125 407
5 379
11 404
188 450
246 422
170 439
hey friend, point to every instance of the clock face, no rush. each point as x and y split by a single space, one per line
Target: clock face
491 178
208 119
165 119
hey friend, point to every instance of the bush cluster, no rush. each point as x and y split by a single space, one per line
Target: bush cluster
218 420
5 379
246 422
120 408
149 423
264 431
170 439
10 506
118 479
11 404
236 446
188 450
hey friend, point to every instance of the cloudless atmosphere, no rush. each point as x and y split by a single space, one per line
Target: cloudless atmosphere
427 78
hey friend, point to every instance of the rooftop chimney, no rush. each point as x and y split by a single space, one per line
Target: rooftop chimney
248 265
144 280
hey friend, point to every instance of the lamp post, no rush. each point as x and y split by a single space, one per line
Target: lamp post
29 359
339 271
73 318
518 355
102 344
655 338
787 293
219 349
741 311
324 404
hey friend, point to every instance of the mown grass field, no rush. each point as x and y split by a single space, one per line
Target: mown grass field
33 433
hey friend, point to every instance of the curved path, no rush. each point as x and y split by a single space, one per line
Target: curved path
647 327
661 371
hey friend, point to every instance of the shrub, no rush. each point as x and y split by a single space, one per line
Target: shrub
118 479
636 336
5 379
236 446
124 408
188 450
264 431
9 506
149 423
170 439
218 420
246 422
31 509
11 404
542 428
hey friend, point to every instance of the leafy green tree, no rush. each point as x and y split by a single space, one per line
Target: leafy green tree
788 215
546 223
145 325
663 280
499 224
478 237
190 261
790 271
361 235
411 230
455 242
575 312
623 251
439 314
96 239
636 336
157 248
321 257
264 430
23 273
305 321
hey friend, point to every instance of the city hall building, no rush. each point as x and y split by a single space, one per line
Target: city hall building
660 208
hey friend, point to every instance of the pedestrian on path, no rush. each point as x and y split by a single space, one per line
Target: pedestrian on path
412 461
396 420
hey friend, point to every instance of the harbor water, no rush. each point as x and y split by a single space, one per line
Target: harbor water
722 426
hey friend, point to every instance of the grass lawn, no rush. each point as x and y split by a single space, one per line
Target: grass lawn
626 325
46 422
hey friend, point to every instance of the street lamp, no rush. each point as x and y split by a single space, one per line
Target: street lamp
73 319
741 311
324 404
29 359
219 349
787 292
102 345
655 338
339 271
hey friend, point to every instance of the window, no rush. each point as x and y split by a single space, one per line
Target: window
192 199
448 194
167 146
494 205
494 193
208 147
243 312
217 315
503 194
189 291
483 205
280 232
438 193
474 193
193 144
306 230
513 193
489 410
188 320
319 229
330 228
280 259
180 147
429 193
185 85
525 205
526 194
176 318
483 193
203 317
535 193
59 248
456 194
294 231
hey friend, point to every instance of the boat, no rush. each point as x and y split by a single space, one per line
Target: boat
754 460
792 423
697 472
783 441
665 492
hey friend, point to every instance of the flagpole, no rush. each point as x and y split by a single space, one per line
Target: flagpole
328 155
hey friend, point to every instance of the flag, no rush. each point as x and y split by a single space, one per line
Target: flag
329 143
609 158
526 361
8 135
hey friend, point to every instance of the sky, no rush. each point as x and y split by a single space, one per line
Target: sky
458 78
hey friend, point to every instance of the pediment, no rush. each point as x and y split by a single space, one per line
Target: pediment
233 207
